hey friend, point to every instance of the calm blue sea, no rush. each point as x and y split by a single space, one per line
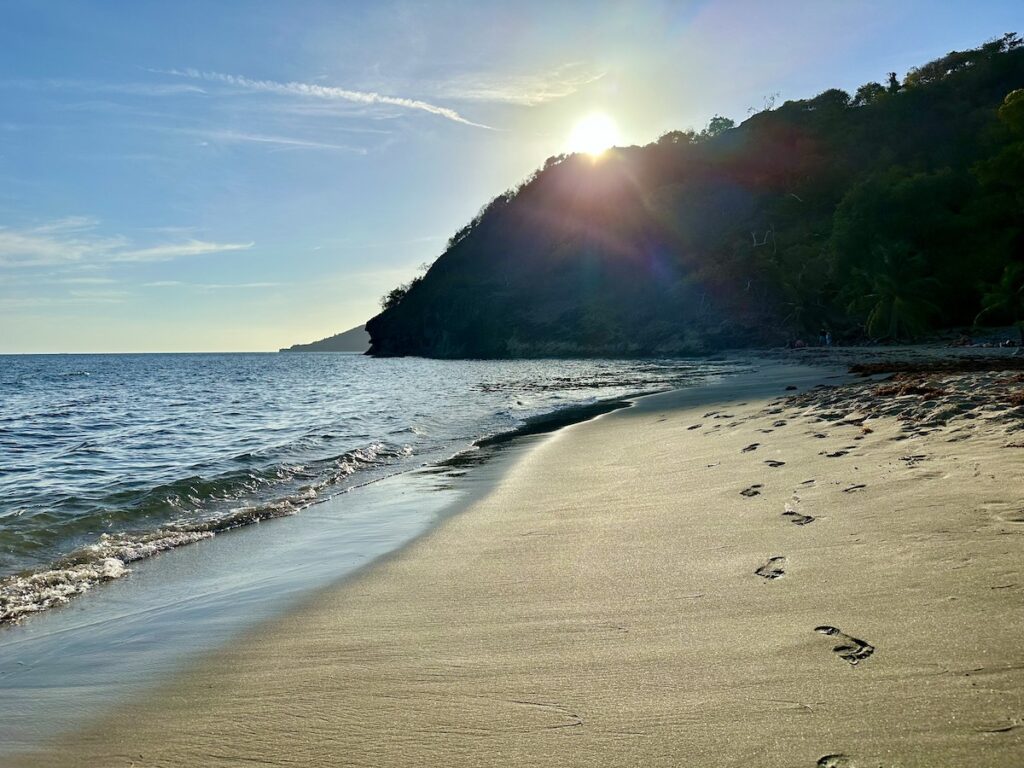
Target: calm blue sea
108 459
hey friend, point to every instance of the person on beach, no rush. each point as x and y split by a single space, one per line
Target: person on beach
828 338
821 337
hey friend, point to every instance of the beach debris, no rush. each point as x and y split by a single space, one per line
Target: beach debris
849 649
854 419
752 490
773 568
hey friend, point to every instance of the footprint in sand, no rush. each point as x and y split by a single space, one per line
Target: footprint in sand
752 490
779 423
837 760
1012 517
849 648
797 518
853 488
751 447
834 454
772 569
775 463
695 426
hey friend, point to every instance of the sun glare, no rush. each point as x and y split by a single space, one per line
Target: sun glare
593 135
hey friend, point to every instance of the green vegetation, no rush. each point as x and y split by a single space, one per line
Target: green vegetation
884 215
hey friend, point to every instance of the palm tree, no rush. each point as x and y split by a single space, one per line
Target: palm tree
1006 297
895 304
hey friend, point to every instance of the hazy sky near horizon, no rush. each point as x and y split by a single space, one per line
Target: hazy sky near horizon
244 175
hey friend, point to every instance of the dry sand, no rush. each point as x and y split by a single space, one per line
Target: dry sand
749 583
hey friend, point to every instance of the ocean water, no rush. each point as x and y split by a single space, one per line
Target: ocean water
108 459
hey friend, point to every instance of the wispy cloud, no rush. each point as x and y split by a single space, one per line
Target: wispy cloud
88 281
312 90
74 241
43 247
110 297
171 251
67 224
208 286
92 86
76 298
284 142
522 89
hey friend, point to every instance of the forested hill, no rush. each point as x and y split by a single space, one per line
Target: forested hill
877 215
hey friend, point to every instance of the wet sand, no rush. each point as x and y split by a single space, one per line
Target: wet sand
735 575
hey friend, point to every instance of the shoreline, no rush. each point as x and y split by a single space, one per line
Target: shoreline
641 588
190 600
110 557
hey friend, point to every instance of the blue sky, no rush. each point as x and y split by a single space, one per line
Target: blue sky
227 175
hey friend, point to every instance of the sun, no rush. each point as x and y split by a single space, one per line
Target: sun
593 135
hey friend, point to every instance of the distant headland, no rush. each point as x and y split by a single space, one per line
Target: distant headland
353 340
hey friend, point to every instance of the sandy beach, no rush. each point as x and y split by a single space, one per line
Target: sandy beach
765 571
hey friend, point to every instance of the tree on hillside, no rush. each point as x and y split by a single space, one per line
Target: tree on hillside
688 136
1005 298
716 126
896 302
868 93
394 297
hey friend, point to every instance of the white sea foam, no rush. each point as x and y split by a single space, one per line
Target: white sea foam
105 560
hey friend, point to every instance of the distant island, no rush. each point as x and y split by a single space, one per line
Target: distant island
353 340
879 215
